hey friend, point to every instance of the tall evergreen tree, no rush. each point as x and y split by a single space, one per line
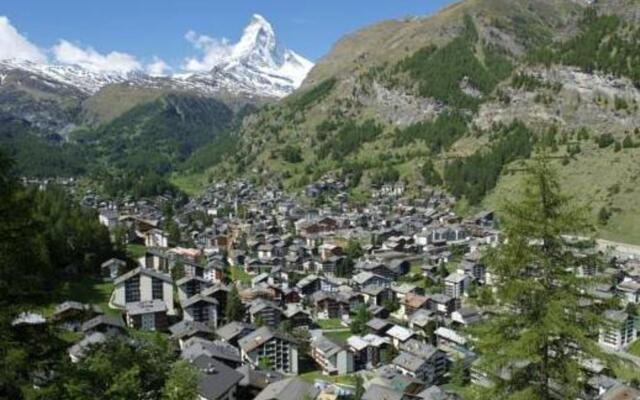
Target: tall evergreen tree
536 344
235 309
181 383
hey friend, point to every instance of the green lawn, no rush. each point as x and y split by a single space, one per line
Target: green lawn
341 379
634 348
136 250
88 290
192 184
341 336
333 323
239 274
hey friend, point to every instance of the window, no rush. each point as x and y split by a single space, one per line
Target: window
157 291
132 289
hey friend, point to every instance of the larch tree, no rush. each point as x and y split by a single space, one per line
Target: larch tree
537 344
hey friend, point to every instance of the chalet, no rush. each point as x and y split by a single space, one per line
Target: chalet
629 290
110 269
618 331
156 238
189 286
377 295
399 334
201 308
213 271
367 349
308 285
196 346
329 250
466 316
142 284
158 259
219 292
279 350
442 304
187 329
267 312
298 317
148 315
327 305
255 381
448 337
420 360
379 326
367 279
333 359
411 303
420 319
234 331
289 389
216 381
69 315
106 324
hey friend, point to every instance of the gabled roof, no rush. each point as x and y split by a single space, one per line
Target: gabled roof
261 336
215 378
109 320
258 378
197 299
231 330
408 361
111 261
196 346
143 271
188 328
289 389
399 332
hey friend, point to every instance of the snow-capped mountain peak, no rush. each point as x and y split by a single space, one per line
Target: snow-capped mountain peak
259 59
258 65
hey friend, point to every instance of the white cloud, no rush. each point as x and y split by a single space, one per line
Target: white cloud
214 51
158 67
15 45
68 53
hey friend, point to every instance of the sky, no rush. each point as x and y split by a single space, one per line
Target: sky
162 36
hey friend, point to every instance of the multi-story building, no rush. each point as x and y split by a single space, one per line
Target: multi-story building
267 347
618 331
201 309
331 357
265 311
143 284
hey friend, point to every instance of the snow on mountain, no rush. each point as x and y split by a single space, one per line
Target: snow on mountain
257 66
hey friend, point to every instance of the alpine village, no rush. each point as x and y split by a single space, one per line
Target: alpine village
443 207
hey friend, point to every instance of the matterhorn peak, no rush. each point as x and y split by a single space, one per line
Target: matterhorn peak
259 44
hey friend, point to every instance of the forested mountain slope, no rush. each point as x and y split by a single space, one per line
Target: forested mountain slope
470 90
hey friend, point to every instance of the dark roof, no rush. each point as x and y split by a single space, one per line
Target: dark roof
196 346
215 378
261 336
110 320
188 328
231 330
289 389
258 378
196 299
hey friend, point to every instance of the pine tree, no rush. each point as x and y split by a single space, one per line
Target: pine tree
538 338
181 383
234 310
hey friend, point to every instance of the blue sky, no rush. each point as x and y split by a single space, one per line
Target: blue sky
146 29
